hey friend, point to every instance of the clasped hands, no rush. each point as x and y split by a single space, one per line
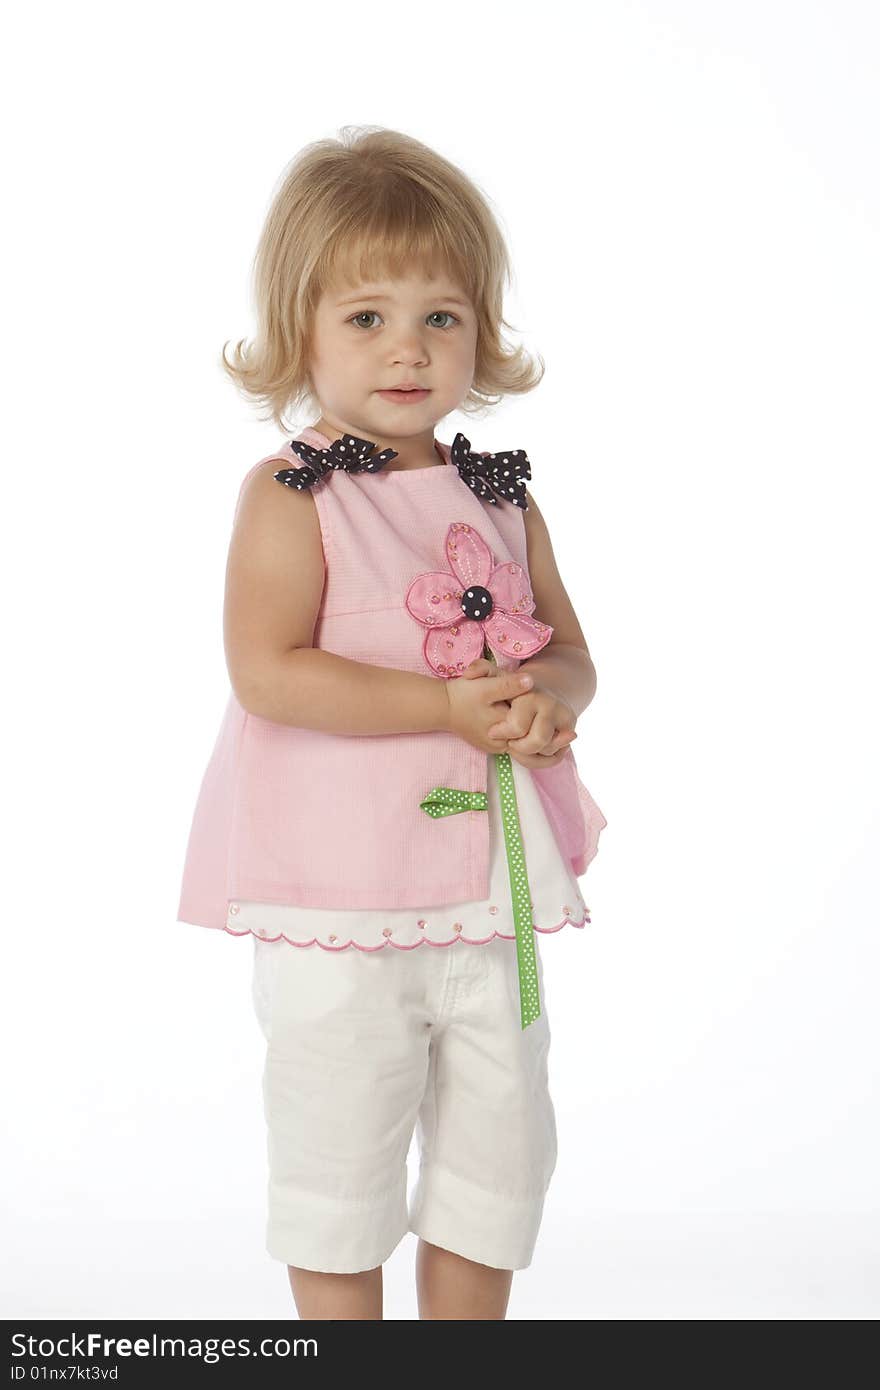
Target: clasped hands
538 726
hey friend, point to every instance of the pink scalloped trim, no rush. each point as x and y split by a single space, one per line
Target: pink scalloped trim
399 945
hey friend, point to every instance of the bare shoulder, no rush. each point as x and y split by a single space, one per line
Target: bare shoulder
532 516
264 497
537 535
552 603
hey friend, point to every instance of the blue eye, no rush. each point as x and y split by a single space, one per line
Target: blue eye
438 313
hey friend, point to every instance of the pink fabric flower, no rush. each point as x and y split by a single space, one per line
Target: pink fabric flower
473 603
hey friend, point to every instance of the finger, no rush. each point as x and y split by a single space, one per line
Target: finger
560 741
509 722
479 667
549 759
534 759
515 724
538 736
563 738
530 746
512 683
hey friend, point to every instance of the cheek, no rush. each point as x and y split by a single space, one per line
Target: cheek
331 354
460 352
467 349
319 353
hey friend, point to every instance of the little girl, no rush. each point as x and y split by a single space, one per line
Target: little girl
392 809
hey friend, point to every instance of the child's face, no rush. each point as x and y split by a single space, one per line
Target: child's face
402 330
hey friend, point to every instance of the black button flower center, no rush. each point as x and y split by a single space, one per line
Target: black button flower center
476 602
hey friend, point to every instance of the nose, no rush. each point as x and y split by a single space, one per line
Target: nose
410 347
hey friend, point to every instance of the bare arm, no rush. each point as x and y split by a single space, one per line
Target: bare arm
314 689
566 670
274 585
565 665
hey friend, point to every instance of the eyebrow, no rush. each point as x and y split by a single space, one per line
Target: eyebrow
368 294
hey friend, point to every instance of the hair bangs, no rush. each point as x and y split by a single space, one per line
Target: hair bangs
386 245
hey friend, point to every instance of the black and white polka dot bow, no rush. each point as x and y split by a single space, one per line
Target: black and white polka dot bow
493 477
504 472
349 453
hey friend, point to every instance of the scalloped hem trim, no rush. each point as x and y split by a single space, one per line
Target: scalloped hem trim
412 946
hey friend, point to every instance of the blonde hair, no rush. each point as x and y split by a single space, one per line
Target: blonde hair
374 203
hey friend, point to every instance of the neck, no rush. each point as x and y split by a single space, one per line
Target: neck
413 451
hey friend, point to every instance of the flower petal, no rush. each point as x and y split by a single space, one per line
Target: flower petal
449 650
468 554
514 636
434 599
510 588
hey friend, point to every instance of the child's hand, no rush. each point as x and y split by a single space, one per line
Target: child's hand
475 704
538 727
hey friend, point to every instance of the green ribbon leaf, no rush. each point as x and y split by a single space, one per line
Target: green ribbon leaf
448 801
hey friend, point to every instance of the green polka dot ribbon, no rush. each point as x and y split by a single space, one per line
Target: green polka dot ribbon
448 801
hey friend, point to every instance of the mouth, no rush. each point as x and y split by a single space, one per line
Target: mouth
407 394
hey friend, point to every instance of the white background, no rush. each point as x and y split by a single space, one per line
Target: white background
690 196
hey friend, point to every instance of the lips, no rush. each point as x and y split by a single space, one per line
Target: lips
404 394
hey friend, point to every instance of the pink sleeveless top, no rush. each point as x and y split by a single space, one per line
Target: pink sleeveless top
301 817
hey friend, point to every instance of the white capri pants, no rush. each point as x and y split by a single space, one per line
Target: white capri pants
363 1048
